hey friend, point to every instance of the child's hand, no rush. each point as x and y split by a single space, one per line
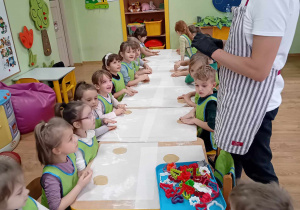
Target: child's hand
178 51
85 178
145 60
132 90
145 78
148 71
119 112
177 65
122 106
106 121
187 97
176 74
110 128
189 121
129 92
181 97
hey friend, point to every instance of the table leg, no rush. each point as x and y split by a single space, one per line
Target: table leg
57 91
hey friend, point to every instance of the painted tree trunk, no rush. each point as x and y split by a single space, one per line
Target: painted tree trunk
46 43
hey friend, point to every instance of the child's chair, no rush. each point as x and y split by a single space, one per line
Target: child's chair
225 173
68 84
35 188
27 80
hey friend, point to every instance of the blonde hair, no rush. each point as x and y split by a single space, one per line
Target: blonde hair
10 172
182 27
49 136
98 76
257 196
205 73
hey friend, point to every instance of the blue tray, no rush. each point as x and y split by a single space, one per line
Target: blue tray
166 203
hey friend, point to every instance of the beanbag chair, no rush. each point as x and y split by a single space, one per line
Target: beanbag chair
32 103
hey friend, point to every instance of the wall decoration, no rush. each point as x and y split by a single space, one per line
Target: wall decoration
9 64
222 4
96 4
39 13
50 65
27 40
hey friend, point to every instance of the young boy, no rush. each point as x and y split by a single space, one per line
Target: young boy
13 192
205 112
258 196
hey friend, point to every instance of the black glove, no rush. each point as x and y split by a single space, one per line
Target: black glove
205 44
219 43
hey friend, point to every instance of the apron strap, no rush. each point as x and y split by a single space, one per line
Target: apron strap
247 3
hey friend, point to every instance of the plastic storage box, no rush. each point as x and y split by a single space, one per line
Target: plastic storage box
153 28
133 26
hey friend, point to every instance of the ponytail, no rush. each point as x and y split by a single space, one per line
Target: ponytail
182 27
49 136
70 112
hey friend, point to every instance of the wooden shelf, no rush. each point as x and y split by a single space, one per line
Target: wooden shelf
145 12
158 35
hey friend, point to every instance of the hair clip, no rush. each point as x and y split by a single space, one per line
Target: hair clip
106 57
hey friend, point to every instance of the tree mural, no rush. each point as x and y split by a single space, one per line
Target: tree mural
39 13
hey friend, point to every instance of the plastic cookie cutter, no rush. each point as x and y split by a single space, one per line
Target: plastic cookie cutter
184 176
174 180
163 175
177 199
202 188
175 173
186 191
190 182
170 166
194 200
215 206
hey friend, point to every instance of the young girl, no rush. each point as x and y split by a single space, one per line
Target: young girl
185 39
194 30
141 34
80 116
87 93
127 66
56 145
108 107
112 63
13 192
139 62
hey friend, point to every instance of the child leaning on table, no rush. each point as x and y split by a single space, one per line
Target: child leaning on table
56 145
13 192
257 196
88 94
205 112
109 107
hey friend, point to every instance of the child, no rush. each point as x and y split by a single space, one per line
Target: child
80 116
141 34
258 196
205 112
102 80
127 66
133 39
112 63
87 93
13 192
56 145
139 62
185 40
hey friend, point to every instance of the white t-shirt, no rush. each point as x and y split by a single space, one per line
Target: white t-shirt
273 18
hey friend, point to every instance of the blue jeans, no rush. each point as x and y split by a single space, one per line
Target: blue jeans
257 161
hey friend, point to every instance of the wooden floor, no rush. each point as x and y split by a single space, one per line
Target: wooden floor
285 142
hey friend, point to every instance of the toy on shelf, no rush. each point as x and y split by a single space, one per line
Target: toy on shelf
27 40
134 7
39 13
9 132
145 7
152 6
96 4
188 185
133 26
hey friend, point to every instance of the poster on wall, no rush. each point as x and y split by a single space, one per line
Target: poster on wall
8 59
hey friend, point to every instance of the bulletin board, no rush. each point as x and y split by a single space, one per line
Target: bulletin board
9 64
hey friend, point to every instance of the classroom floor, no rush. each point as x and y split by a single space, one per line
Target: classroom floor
285 142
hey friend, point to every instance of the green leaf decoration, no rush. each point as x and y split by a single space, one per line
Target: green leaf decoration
39 13
214 21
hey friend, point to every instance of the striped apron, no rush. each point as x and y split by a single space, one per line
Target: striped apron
242 102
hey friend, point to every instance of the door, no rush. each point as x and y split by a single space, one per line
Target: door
60 31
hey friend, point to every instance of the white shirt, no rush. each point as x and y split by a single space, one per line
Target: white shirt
80 163
273 18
